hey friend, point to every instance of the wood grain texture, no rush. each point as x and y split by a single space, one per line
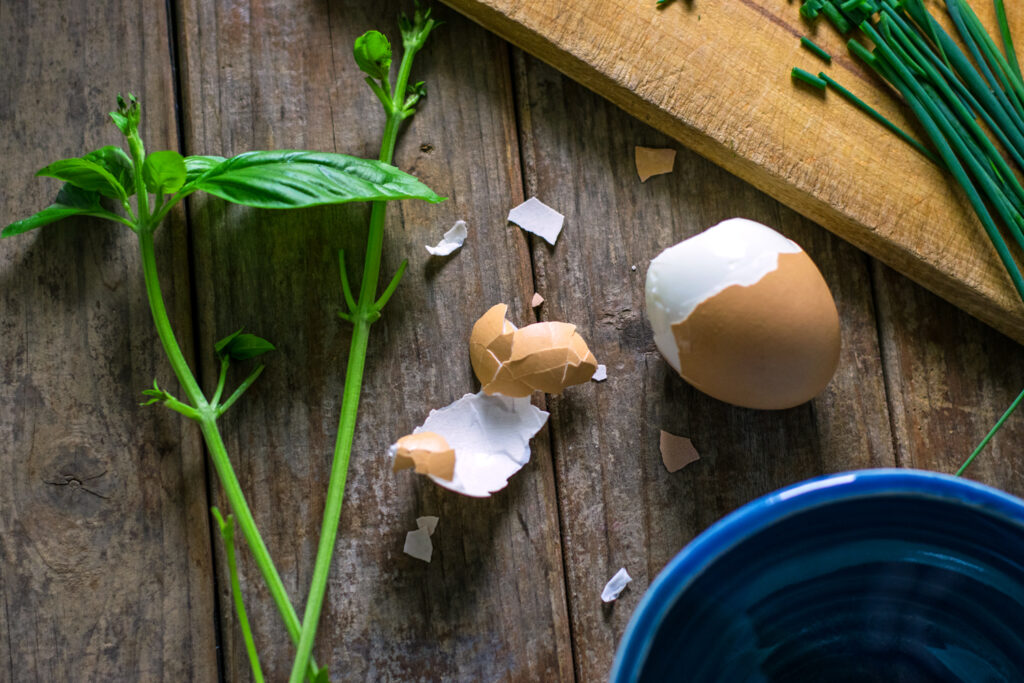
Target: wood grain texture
949 379
620 507
105 571
491 605
714 74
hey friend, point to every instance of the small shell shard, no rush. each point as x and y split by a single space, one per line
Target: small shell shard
452 240
537 217
613 589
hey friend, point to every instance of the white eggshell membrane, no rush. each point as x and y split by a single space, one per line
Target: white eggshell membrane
734 252
491 438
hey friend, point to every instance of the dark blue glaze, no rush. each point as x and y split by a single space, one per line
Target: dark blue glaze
880 575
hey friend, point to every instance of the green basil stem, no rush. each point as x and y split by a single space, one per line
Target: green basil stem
366 312
214 443
227 533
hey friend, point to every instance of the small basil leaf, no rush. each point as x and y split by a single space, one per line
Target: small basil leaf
71 201
198 165
219 346
373 54
291 179
118 164
164 172
85 174
245 346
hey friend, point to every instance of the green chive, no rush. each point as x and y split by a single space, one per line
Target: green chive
817 50
808 78
878 116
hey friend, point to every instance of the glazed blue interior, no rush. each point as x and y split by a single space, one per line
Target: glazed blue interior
878 575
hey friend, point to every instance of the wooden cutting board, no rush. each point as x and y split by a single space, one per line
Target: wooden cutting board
715 75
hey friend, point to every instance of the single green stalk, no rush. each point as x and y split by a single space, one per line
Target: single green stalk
991 433
211 435
365 313
227 533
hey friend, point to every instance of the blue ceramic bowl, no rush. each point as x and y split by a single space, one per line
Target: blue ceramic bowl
878 575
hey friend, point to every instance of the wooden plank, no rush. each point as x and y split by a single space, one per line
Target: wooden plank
715 76
949 380
491 605
105 572
620 507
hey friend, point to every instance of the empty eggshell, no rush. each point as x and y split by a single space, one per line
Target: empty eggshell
547 356
744 315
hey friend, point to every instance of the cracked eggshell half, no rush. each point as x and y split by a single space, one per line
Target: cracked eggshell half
744 315
545 356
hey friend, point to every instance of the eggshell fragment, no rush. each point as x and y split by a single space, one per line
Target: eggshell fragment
613 589
535 216
418 543
490 436
652 161
427 452
547 356
744 315
490 347
677 451
536 301
452 240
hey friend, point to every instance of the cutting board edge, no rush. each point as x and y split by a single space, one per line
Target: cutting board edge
983 304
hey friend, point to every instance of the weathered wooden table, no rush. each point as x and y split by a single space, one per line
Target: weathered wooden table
108 570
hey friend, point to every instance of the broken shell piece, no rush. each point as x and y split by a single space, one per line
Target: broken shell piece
427 523
417 543
535 216
548 356
452 240
491 439
536 301
613 589
677 451
651 161
429 453
601 374
490 347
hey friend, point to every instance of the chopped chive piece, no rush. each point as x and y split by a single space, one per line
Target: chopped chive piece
808 78
835 16
813 47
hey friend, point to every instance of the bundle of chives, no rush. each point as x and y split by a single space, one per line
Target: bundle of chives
949 88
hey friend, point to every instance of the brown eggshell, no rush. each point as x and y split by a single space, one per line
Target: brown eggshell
547 356
428 453
490 345
770 345
551 356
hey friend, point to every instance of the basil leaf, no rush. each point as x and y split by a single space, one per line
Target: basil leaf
219 346
198 165
85 174
240 346
373 54
164 172
71 201
291 179
118 164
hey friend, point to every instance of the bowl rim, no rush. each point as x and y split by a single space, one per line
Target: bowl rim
760 514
